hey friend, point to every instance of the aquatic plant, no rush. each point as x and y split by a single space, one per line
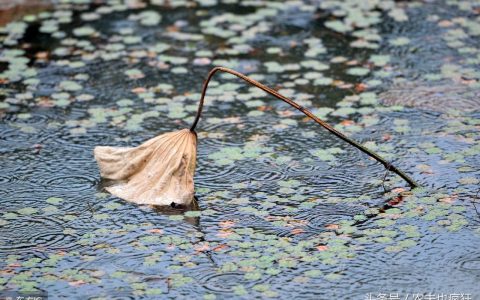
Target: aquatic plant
160 171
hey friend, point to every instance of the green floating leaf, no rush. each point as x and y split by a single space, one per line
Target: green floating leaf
400 41
150 18
379 60
101 216
83 31
54 200
50 209
10 215
313 273
469 180
134 74
193 213
71 86
176 217
338 26
27 211
358 71
113 205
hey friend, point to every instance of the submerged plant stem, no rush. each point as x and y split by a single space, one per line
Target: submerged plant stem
308 113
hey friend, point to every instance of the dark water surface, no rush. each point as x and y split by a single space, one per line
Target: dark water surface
286 209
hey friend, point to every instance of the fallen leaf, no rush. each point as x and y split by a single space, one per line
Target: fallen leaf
14 265
347 122
77 283
360 87
332 226
202 247
264 108
226 224
221 247
224 233
398 190
202 61
395 201
386 137
139 90
41 55
449 200
297 231
445 23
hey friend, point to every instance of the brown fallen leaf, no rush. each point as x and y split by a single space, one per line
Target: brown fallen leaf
297 231
398 190
77 283
445 23
386 137
347 122
221 247
226 223
224 233
360 87
202 61
286 113
264 108
395 201
425 169
14 265
7 272
202 247
322 248
332 226
139 90
42 55
449 199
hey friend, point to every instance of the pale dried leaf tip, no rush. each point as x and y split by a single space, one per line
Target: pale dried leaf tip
158 172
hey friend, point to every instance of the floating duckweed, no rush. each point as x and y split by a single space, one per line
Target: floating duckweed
469 180
83 31
400 41
358 71
101 216
27 211
176 217
149 18
54 200
70 86
134 74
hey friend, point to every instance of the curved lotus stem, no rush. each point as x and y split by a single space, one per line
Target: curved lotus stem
308 113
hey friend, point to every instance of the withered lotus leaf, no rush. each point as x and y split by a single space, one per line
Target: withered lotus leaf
158 172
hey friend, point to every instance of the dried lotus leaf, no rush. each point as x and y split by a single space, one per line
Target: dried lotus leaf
158 172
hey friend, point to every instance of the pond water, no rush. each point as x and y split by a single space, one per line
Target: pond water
286 210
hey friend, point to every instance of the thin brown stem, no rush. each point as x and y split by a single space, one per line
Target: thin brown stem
305 111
